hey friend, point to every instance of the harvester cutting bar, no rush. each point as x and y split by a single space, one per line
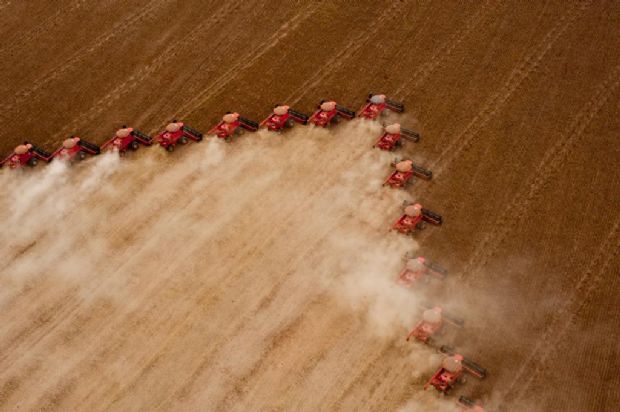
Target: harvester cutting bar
89 147
41 153
299 116
421 172
192 131
434 267
465 401
395 106
431 217
248 124
142 137
343 111
409 135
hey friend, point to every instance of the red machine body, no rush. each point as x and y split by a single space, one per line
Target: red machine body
283 117
127 138
469 405
376 104
419 268
233 124
393 137
26 154
177 133
405 171
451 371
431 323
414 217
329 112
74 148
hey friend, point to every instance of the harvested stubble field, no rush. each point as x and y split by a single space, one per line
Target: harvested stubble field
259 275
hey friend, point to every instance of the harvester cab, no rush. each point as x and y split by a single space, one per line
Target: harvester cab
404 173
177 133
283 117
432 324
419 269
75 149
414 217
329 113
376 104
127 138
452 370
233 124
393 136
26 154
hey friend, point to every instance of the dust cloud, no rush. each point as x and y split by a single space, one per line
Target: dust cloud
134 250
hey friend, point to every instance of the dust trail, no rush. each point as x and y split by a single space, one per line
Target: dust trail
146 258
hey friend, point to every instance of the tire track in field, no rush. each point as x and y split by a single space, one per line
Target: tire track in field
36 29
338 59
445 51
551 162
496 102
122 27
143 72
243 63
585 286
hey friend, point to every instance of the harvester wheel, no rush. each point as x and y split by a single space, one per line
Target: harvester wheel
239 131
420 226
289 123
170 148
32 162
182 140
335 119
199 138
81 155
134 145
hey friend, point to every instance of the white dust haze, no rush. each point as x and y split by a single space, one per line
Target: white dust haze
133 250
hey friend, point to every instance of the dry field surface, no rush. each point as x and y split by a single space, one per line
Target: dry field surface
259 275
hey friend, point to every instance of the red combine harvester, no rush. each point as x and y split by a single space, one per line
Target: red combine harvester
414 217
432 324
468 405
393 136
283 117
417 269
74 148
376 104
127 138
452 371
329 112
26 154
177 133
404 173
233 124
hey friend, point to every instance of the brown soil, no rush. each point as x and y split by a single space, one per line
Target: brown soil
259 275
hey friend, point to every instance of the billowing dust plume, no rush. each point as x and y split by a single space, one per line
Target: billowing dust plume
199 257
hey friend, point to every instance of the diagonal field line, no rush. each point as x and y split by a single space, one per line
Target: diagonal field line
547 343
552 160
499 99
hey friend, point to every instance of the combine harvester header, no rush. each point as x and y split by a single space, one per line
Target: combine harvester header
127 138
284 117
376 104
26 154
